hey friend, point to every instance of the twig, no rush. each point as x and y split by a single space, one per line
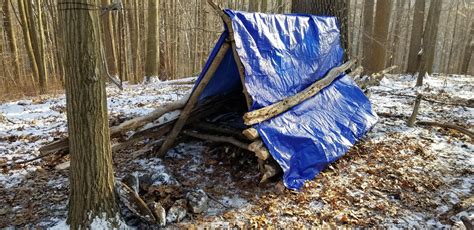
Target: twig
448 126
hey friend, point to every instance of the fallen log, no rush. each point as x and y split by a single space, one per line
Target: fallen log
265 113
448 126
63 144
251 134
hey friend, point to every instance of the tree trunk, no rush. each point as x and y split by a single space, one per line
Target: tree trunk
153 40
37 37
11 39
416 35
469 47
397 33
109 41
379 44
27 39
336 8
429 41
91 173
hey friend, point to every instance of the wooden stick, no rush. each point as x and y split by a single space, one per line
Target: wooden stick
193 99
357 71
380 74
260 150
277 108
448 126
63 144
251 134
214 138
416 107
206 126
271 169
240 66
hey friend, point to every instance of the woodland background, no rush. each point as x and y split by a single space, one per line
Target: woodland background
380 33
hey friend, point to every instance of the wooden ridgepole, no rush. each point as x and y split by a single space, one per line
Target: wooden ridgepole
240 66
193 99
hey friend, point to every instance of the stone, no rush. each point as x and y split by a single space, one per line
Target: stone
197 201
132 181
177 212
159 212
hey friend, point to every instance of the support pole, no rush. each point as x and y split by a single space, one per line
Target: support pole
240 66
192 100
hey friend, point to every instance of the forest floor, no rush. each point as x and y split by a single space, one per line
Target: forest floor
396 176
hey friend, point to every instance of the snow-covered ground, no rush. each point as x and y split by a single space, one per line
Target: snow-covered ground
397 176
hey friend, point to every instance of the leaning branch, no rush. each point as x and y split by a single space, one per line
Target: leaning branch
448 126
277 108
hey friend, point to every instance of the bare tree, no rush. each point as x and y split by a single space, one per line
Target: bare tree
429 41
153 40
416 36
91 173
367 31
379 44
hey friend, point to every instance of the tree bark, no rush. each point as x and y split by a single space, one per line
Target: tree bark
153 40
12 39
368 27
27 38
379 44
91 174
468 50
416 36
429 41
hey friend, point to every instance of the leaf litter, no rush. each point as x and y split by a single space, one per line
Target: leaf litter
396 176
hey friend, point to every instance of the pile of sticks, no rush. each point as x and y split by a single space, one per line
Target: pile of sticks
148 129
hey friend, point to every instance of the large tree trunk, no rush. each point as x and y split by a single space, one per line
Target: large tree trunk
368 27
336 8
91 173
379 45
429 41
153 40
416 35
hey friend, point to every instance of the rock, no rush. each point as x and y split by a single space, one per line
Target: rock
177 212
63 166
132 181
133 202
159 213
197 201
156 179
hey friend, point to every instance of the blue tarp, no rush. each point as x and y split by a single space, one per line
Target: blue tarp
282 55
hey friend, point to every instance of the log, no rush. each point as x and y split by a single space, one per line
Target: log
271 169
63 144
260 150
448 126
192 100
251 134
214 138
141 121
277 108
238 62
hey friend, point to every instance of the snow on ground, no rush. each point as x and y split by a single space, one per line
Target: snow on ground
397 176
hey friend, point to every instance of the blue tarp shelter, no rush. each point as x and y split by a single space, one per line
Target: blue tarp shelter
282 55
